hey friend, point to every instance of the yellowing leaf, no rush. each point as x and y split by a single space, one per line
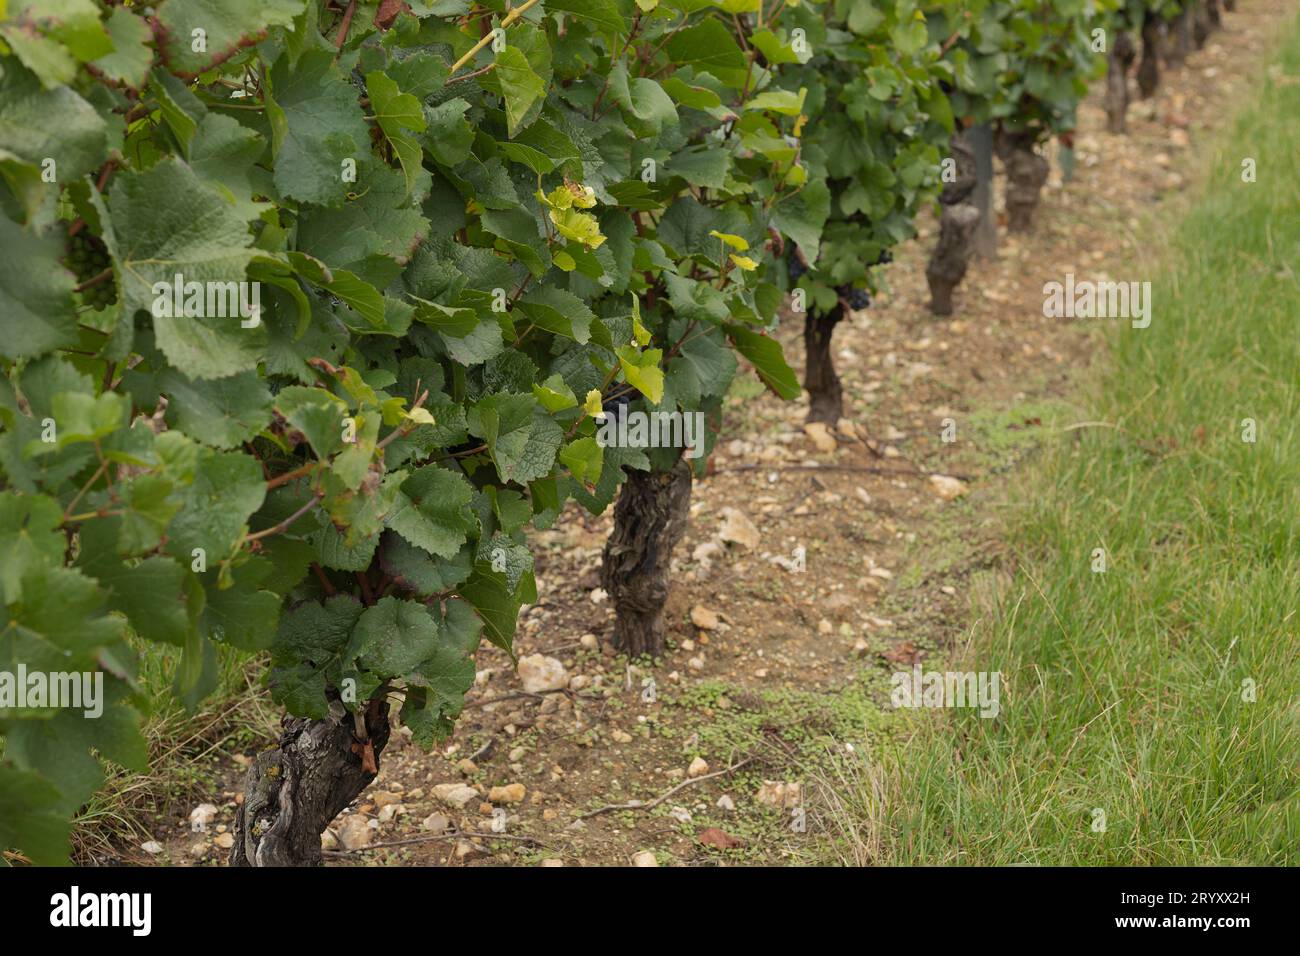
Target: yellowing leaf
421 416
593 406
642 371
639 331
568 196
554 395
736 242
563 260
578 226
584 197
746 263
557 198
392 411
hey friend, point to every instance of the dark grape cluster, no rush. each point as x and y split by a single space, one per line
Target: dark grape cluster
885 257
856 298
617 405
797 267
87 258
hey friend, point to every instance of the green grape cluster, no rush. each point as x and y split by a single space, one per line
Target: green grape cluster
87 258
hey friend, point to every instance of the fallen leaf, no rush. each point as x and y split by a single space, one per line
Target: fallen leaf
720 839
904 653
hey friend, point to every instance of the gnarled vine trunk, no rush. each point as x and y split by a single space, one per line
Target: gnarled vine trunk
1178 42
958 221
986 231
649 519
1026 175
825 394
1200 25
1122 54
291 793
1148 74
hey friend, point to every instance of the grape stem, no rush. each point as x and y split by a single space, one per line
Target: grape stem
283 525
345 25
95 280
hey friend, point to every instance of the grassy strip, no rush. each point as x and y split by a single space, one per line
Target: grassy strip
1150 713
186 750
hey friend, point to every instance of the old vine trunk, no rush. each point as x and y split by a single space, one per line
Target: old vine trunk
649 519
957 224
1122 54
1026 175
291 793
825 394
1148 74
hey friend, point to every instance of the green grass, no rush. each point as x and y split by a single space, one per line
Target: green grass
1125 689
186 750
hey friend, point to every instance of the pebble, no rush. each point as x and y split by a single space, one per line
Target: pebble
152 847
468 851
946 487
355 832
436 823
776 793
821 437
703 618
201 816
455 794
698 768
738 529
706 551
510 793
644 858
542 674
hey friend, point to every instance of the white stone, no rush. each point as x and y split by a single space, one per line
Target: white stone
355 832
542 674
201 816
455 794
946 487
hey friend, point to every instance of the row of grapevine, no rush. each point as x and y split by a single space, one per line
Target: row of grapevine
313 308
